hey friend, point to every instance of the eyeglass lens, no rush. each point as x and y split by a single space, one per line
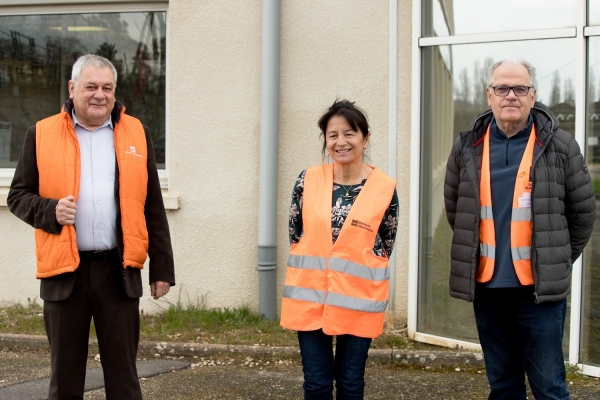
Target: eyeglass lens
520 90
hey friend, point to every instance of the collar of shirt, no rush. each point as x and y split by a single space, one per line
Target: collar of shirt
523 132
76 122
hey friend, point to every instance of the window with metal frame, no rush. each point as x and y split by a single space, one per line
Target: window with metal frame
37 52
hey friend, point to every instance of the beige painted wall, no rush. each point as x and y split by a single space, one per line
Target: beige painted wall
17 260
340 49
329 49
213 149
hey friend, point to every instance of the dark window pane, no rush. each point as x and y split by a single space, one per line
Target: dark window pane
590 319
453 93
38 51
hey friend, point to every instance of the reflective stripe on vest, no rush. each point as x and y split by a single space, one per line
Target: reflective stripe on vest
521 225
58 162
341 288
353 303
309 262
360 271
304 294
340 265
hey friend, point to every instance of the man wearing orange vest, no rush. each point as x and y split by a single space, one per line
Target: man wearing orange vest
86 180
520 201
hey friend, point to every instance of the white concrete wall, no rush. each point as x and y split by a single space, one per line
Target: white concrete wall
213 147
329 49
340 49
17 260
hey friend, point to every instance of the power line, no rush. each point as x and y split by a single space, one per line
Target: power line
556 70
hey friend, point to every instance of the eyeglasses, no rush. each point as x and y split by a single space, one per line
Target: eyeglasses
519 90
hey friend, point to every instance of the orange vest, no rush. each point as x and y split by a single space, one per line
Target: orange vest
342 287
59 167
520 225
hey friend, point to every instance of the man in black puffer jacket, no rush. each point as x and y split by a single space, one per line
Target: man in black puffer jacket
520 201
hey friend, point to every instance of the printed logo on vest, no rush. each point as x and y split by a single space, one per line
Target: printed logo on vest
132 151
362 225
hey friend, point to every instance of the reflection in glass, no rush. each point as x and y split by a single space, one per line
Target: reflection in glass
464 17
590 329
453 93
594 12
38 51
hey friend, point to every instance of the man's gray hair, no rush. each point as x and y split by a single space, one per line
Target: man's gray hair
530 69
94 60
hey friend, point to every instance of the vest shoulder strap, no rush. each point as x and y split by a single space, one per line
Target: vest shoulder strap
362 223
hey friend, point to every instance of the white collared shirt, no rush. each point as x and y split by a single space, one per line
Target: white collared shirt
96 216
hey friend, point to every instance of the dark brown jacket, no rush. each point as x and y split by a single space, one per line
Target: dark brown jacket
24 201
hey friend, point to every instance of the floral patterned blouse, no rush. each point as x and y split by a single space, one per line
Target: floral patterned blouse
342 199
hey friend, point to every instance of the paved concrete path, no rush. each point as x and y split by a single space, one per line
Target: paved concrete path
233 372
94 379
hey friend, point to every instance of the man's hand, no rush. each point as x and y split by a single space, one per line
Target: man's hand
65 210
159 288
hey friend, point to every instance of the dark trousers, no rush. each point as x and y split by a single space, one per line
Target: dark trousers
98 293
321 368
520 337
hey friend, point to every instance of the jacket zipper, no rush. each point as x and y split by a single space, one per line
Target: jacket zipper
531 175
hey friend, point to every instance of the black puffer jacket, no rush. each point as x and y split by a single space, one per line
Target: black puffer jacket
563 206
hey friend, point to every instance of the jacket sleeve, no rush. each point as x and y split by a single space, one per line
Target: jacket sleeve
451 182
580 201
295 219
23 198
160 251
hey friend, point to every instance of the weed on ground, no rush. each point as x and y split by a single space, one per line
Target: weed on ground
22 318
191 322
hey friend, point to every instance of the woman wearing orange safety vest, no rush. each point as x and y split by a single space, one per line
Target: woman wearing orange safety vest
343 220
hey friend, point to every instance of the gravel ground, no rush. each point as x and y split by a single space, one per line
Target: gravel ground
243 377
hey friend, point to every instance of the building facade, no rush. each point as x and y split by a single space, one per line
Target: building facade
191 70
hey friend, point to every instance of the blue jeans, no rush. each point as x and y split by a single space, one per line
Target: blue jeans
520 337
321 367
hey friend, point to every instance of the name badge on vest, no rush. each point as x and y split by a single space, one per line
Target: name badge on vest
524 200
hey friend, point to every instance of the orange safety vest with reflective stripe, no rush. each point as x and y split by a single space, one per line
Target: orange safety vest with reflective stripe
342 287
59 166
520 225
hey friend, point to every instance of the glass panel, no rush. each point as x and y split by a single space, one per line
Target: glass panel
590 330
38 51
475 16
453 85
594 12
